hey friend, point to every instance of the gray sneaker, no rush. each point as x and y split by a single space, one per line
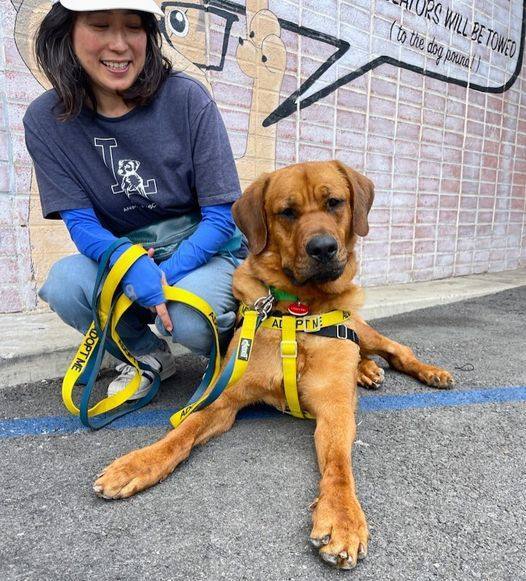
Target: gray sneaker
161 360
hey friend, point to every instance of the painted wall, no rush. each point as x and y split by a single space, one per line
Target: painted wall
380 84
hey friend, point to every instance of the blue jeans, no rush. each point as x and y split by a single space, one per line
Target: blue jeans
68 291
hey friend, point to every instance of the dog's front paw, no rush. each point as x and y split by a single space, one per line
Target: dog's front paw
436 377
130 474
339 532
370 375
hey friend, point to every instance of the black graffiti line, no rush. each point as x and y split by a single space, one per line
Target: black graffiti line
291 104
228 16
342 47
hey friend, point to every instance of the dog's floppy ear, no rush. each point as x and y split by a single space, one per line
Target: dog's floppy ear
249 214
362 190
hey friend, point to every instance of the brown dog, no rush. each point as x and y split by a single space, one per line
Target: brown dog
301 223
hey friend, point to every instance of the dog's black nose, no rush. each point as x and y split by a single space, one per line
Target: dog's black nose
322 248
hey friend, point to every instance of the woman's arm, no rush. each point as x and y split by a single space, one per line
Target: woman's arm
143 281
214 231
216 186
88 234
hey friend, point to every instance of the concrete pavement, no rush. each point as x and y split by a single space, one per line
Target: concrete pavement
440 474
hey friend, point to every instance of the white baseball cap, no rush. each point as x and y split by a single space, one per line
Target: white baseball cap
96 5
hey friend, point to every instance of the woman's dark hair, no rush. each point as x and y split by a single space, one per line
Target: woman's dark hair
56 57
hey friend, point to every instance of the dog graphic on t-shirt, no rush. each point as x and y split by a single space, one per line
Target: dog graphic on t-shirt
131 180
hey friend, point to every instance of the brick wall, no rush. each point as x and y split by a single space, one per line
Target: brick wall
449 163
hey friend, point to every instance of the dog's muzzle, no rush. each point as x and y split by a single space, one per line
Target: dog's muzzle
323 265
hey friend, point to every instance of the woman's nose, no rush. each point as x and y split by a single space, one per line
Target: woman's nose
118 42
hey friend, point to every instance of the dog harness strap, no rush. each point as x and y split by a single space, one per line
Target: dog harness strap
307 323
289 355
325 324
338 332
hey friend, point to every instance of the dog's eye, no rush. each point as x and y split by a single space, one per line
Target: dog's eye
333 203
289 213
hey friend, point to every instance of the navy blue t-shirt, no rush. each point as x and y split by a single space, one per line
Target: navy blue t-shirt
157 161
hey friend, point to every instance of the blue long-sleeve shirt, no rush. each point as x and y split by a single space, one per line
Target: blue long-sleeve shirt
142 281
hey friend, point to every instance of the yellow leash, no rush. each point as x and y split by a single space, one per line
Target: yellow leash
111 311
91 340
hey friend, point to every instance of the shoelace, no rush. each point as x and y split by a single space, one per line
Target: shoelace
128 371
125 370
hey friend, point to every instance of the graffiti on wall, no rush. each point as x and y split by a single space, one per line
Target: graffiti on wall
481 49
479 46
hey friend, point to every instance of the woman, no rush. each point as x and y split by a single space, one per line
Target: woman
120 143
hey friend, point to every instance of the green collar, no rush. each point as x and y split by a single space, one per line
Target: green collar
280 295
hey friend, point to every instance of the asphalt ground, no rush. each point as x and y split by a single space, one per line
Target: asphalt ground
440 475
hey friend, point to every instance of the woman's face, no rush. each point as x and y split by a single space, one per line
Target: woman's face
111 47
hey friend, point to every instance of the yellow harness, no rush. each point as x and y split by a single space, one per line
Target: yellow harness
289 325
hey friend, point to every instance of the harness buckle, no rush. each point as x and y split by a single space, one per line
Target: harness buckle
264 305
339 329
289 349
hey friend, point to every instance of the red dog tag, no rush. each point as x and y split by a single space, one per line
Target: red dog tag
298 309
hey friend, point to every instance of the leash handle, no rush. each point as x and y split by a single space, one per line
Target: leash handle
109 305
85 366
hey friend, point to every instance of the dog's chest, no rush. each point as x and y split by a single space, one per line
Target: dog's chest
320 362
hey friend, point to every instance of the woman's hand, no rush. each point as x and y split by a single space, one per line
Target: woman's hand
161 309
143 283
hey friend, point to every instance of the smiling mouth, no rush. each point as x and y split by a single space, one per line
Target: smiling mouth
117 66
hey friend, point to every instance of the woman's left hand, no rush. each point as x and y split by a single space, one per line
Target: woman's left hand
162 309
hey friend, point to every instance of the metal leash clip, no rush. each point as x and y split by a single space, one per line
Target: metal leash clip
264 305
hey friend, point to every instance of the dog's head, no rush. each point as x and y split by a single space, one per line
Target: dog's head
306 216
127 167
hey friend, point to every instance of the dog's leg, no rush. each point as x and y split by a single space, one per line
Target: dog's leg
339 526
147 466
399 356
